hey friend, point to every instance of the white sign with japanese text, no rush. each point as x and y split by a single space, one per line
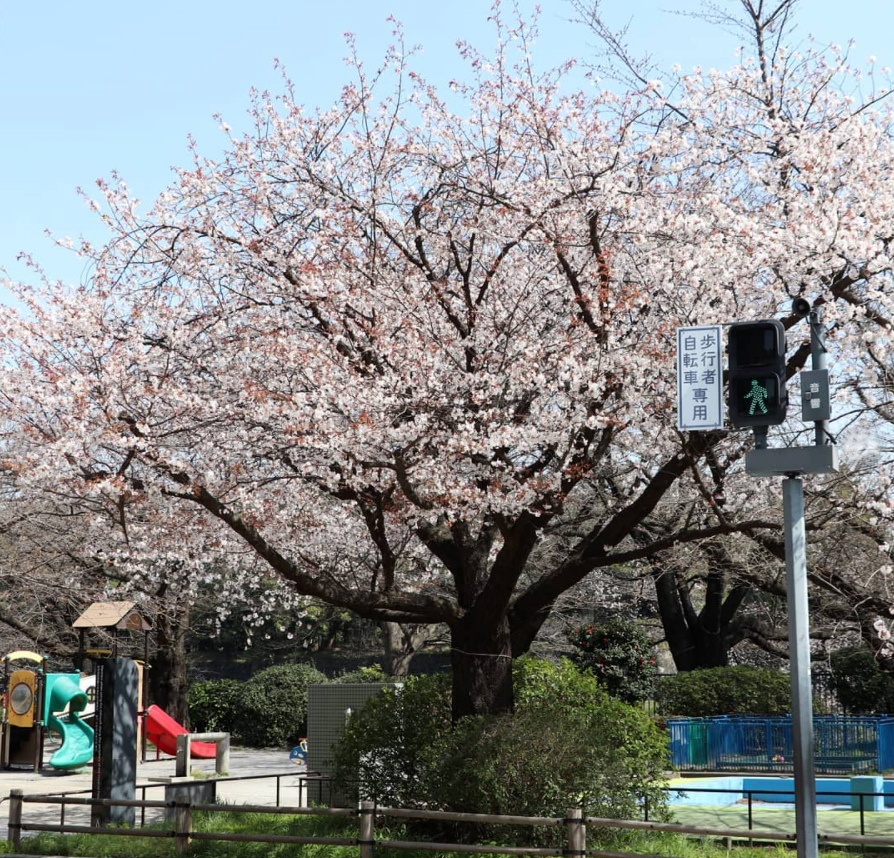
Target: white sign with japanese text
699 378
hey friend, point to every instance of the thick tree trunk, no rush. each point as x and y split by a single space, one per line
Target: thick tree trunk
168 677
481 658
695 640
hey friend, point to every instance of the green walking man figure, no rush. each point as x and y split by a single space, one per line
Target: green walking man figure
758 397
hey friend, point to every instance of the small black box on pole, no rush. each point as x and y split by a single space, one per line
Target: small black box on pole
757 395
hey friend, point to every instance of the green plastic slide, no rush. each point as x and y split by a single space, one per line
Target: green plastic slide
77 736
77 742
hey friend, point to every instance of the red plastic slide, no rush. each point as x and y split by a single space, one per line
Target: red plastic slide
162 730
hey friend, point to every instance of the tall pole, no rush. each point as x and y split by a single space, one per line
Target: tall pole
799 658
791 463
818 352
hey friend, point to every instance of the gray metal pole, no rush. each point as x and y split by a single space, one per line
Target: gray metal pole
799 657
818 352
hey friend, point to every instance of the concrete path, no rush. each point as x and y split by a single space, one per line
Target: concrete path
151 775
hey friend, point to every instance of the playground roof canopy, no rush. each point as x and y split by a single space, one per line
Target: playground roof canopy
108 615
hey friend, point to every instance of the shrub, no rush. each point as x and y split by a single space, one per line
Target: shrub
737 690
384 746
620 656
567 742
274 706
861 686
214 705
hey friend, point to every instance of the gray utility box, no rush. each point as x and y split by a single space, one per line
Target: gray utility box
329 707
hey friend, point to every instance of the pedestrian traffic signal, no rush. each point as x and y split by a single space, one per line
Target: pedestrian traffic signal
757 395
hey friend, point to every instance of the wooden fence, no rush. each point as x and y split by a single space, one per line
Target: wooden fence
574 822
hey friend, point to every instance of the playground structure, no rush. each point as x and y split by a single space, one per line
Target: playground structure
63 692
162 731
21 741
39 702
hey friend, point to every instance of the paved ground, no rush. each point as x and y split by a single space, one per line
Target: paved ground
777 817
243 762
765 817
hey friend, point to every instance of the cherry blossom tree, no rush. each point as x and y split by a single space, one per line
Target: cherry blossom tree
380 351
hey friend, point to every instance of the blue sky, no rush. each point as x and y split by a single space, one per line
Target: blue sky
92 87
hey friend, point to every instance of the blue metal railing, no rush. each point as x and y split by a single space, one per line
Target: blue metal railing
843 744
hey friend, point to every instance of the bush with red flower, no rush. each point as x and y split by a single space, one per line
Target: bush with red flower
620 656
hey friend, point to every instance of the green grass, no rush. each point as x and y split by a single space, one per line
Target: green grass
650 843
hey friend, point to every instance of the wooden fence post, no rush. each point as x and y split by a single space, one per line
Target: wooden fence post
367 829
577 832
182 825
15 817
181 767
222 757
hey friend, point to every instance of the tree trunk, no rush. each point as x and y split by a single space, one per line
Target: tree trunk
696 641
168 677
673 621
481 658
402 642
